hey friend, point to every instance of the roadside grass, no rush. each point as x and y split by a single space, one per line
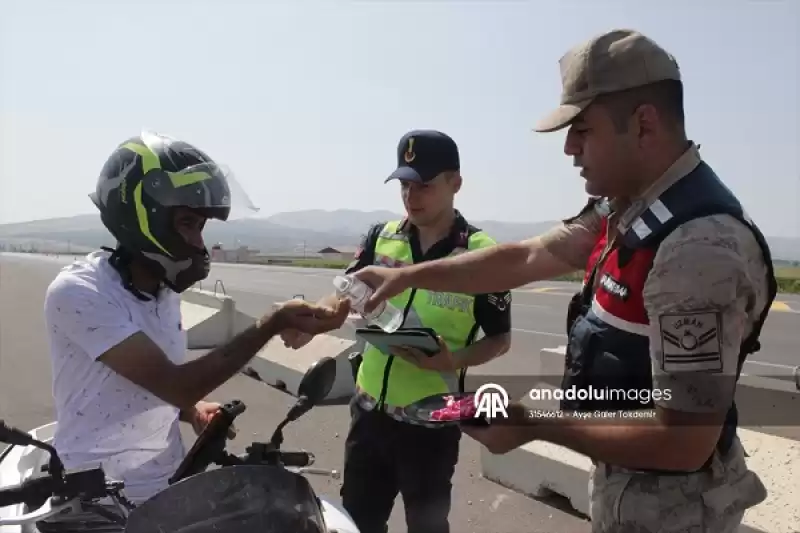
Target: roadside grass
788 279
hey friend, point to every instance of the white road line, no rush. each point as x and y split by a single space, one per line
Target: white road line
774 365
545 333
563 336
523 330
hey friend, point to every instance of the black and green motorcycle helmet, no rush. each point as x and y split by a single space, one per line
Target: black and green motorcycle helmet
140 185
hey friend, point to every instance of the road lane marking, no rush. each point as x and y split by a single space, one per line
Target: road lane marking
773 365
535 332
555 291
563 336
541 290
778 305
782 307
557 335
534 306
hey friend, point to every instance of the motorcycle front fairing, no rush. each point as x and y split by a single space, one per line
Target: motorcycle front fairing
244 498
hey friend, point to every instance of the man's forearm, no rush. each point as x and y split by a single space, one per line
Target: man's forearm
483 351
200 377
494 269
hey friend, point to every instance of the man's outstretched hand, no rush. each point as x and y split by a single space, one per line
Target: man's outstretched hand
312 319
295 339
386 282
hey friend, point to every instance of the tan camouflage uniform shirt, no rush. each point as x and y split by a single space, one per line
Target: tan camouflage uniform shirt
698 269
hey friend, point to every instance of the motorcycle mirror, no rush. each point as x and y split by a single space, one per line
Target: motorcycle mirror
314 387
318 381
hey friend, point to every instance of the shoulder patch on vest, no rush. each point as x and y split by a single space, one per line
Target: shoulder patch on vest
691 342
499 301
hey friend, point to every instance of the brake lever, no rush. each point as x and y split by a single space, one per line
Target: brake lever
335 474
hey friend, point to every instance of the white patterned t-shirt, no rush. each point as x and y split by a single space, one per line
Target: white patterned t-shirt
103 417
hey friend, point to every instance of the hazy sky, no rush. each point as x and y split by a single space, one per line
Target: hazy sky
306 101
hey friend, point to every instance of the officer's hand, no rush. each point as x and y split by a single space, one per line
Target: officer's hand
443 361
312 319
386 282
295 339
502 436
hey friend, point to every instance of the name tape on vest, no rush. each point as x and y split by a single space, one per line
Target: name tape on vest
450 301
614 287
691 342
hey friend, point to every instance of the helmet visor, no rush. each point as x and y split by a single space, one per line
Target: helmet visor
203 187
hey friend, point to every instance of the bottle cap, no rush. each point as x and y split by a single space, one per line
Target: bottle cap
342 283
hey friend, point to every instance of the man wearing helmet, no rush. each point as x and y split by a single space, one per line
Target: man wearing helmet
120 379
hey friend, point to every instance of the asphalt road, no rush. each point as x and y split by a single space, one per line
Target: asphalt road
25 401
538 314
766 397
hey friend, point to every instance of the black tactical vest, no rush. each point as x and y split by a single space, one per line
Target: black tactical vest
608 345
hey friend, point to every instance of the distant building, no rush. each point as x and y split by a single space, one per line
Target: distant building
342 253
217 253
242 254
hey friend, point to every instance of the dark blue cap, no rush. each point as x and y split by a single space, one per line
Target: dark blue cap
424 154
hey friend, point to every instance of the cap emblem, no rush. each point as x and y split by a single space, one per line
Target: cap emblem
410 156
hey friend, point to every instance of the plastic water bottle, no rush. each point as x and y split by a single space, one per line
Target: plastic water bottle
385 316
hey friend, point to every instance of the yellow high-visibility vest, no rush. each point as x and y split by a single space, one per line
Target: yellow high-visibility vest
449 314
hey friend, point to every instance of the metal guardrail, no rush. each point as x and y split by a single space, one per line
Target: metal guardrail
219 283
797 377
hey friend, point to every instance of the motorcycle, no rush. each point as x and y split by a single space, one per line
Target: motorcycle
263 490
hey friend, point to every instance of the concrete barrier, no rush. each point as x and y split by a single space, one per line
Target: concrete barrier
211 319
284 367
541 468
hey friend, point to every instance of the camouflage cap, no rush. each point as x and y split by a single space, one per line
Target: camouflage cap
608 63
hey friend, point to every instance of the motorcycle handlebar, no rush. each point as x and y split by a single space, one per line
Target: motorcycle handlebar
90 483
14 436
296 459
29 490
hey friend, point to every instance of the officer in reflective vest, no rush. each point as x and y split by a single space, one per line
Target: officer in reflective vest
678 284
386 453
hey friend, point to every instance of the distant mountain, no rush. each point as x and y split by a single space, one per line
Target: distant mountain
88 231
352 222
295 231
340 221
76 223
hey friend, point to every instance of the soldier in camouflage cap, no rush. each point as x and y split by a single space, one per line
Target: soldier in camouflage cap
678 284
